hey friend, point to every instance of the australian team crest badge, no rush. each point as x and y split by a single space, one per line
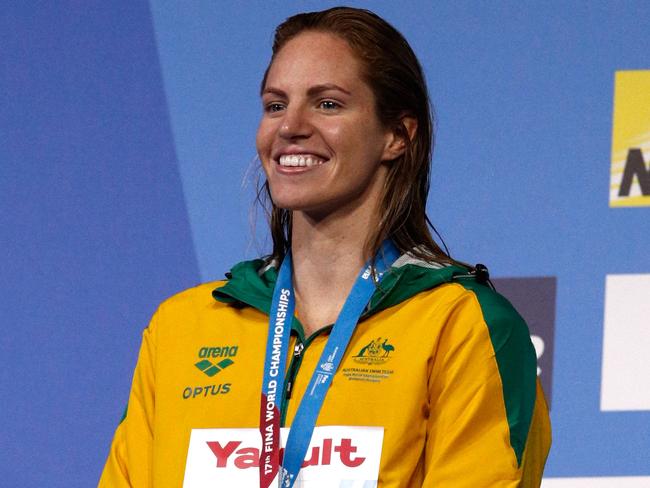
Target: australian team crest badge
377 351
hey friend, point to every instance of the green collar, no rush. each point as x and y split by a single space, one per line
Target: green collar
251 283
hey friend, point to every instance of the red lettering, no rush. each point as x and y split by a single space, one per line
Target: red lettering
327 452
223 453
247 457
313 460
346 449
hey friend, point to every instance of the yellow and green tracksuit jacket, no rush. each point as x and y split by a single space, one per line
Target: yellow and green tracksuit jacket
442 362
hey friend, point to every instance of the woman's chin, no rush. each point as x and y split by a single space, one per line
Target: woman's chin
294 202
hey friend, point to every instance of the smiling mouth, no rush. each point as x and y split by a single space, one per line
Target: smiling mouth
303 160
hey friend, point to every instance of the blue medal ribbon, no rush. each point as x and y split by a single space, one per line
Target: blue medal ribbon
282 308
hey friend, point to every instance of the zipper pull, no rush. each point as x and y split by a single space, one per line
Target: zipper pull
297 352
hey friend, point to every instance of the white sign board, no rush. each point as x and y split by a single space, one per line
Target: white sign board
338 456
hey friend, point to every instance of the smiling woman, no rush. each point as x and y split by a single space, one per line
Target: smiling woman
320 141
408 369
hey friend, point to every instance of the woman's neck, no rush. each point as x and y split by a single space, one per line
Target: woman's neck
327 257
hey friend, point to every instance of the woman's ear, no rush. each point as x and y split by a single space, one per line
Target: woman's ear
401 135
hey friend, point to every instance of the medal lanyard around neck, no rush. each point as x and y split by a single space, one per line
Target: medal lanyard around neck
277 345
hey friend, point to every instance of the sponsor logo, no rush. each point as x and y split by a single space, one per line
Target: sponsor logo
325 371
377 351
212 360
211 368
336 456
205 391
630 164
328 365
244 456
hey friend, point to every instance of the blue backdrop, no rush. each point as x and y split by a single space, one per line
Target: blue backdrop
126 160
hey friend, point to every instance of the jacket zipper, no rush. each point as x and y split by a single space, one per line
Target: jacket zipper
293 367
296 360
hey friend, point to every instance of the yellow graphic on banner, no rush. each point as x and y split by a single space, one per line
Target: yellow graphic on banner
630 173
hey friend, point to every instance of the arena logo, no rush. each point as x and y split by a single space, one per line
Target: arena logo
630 162
208 367
534 299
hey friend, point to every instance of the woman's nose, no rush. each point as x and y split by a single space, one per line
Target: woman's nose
295 123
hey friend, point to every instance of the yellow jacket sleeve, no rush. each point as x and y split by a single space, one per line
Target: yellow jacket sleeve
475 436
129 462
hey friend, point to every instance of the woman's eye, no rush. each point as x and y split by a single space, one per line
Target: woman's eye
329 105
274 107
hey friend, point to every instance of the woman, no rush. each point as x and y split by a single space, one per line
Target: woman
406 369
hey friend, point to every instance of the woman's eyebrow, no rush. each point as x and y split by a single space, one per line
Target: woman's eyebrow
316 89
312 91
274 91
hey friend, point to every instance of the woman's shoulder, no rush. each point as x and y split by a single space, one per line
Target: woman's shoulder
447 284
186 306
191 297
465 294
502 319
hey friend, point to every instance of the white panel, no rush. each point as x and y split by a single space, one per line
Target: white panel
626 344
618 482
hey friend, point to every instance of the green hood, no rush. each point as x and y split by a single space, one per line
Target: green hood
251 283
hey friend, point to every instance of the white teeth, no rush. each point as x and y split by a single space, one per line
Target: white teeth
299 160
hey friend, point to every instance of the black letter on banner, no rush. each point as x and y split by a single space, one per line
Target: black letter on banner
634 165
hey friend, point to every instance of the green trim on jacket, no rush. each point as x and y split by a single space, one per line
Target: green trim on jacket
251 283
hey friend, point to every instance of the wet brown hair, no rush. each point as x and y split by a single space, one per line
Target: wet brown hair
392 71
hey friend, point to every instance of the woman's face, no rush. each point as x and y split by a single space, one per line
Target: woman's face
319 140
